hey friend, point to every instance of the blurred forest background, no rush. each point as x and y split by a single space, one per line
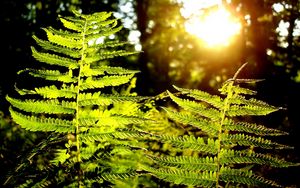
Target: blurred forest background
269 40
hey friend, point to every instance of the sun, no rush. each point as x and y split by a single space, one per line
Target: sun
217 28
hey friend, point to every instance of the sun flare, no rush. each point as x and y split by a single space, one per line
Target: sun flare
217 28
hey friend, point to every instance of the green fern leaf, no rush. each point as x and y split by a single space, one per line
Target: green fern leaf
190 142
65 34
101 25
87 99
58 49
53 92
94 135
64 41
236 89
61 156
102 70
239 157
105 81
97 16
188 162
108 44
53 59
196 107
246 140
110 121
205 179
102 55
72 23
251 128
213 100
117 176
103 32
43 106
52 75
237 110
241 100
207 126
33 123
244 177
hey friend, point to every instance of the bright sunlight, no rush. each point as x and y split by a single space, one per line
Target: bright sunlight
217 28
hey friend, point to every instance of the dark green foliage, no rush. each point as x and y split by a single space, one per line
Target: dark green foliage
14 141
227 147
80 99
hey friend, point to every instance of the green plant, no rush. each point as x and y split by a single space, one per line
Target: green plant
80 99
223 148
97 128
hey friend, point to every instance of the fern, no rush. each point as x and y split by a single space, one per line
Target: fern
227 146
74 100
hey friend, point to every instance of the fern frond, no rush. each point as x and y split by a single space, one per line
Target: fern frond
53 92
96 33
102 70
72 23
61 156
246 140
108 44
186 177
58 49
240 157
101 129
64 33
53 75
97 16
190 142
91 135
43 106
252 128
208 127
228 152
97 26
100 16
245 177
122 120
24 91
227 87
105 81
213 100
246 110
110 121
117 176
34 123
102 55
188 162
53 59
241 100
87 99
64 41
89 151
195 107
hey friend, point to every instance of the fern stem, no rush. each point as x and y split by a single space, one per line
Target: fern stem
223 116
77 104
